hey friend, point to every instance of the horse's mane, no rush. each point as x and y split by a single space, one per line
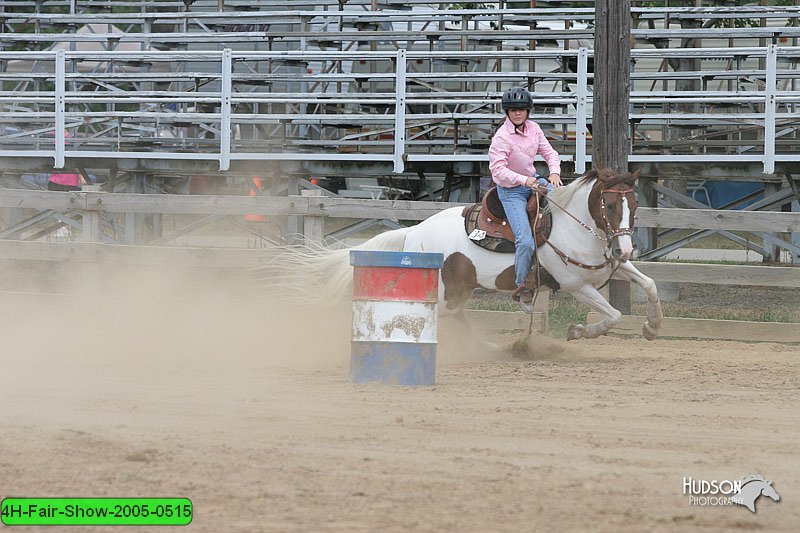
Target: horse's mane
564 195
748 479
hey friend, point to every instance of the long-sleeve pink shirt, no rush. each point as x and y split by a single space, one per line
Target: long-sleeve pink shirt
512 153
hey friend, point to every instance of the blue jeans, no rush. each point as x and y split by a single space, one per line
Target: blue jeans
515 203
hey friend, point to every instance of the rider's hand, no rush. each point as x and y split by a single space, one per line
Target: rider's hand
555 179
531 182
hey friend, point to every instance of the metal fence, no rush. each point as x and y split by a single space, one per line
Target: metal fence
396 107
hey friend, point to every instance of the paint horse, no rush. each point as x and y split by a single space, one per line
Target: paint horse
590 243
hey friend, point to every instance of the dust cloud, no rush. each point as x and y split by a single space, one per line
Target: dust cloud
168 323
171 382
94 329
161 311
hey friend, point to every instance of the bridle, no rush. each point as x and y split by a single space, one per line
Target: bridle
610 232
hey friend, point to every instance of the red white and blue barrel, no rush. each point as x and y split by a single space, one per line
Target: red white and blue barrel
395 297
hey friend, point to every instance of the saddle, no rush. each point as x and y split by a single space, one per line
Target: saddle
486 224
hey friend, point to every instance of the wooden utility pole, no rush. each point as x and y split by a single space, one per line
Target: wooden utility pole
612 87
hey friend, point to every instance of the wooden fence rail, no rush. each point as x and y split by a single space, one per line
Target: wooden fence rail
757 275
355 208
700 328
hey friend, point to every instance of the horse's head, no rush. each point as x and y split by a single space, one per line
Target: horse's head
768 490
612 205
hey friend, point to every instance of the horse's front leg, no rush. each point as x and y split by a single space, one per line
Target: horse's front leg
628 272
592 297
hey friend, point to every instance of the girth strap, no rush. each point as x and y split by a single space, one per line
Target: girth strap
609 261
567 259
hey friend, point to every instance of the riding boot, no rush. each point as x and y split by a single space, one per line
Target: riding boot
524 296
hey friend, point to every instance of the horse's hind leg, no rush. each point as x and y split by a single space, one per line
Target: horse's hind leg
461 318
628 272
592 297
459 280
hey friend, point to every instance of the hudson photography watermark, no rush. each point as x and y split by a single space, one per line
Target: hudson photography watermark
714 492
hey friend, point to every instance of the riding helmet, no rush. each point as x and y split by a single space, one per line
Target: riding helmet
517 98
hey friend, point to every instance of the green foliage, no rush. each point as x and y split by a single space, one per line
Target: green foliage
705 3
505 304
723 23
565 311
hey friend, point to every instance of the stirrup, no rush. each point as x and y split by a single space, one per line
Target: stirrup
522 292
524 296
526 301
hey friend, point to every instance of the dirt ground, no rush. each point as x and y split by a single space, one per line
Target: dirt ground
187 386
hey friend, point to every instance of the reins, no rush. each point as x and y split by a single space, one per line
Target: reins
579 221
535 297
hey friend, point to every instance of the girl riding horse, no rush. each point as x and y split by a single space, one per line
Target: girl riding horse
590 243
511 157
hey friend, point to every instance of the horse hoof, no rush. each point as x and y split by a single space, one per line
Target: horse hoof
521 350
648 332
575 332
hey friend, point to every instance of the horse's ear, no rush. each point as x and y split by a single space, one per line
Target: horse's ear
605 174
635 175
592 173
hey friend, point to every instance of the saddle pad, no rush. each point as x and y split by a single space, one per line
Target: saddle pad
472 215
494 244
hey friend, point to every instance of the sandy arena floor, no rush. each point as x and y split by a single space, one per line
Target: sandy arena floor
245 408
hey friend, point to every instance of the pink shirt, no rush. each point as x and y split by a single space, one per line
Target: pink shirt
66 179
511 154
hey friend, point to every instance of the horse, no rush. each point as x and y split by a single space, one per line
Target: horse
751 488
590 243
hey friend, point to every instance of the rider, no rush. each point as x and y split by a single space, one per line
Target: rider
511 156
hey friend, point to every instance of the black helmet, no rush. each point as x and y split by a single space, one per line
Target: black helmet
517 98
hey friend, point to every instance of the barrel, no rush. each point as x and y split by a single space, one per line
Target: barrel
395 307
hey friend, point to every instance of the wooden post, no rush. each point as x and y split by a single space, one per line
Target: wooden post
135 222
313 231
648 237
90 227
795 235
612 87
770 246
532 46
294 223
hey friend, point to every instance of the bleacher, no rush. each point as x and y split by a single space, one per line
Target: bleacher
324 84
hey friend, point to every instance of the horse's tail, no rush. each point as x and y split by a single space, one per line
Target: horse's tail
318 274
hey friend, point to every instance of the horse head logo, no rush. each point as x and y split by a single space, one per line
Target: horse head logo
752 488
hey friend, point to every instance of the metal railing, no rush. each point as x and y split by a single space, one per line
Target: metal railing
398 107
